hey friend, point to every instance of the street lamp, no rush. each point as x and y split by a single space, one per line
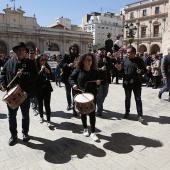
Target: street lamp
90 47
131 31
49 44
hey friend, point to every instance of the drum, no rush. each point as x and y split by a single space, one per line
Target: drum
15 97
84 103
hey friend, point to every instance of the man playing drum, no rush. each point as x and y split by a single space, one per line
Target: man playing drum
26 72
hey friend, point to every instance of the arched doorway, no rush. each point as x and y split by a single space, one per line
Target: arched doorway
54 47
142 49
30 45
3 48
154 49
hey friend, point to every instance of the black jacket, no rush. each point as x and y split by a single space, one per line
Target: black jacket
105 76
129 67
28 78
66 70
80 77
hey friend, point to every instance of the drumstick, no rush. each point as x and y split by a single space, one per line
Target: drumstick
14 79
80 90
92 81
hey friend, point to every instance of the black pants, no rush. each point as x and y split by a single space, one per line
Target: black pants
45 97
92 118
68 93
12 113
137 93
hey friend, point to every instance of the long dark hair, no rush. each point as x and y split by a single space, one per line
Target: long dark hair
81 59
38 63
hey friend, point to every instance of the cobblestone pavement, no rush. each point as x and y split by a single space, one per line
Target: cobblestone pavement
124 144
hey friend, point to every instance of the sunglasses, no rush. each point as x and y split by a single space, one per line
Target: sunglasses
32 53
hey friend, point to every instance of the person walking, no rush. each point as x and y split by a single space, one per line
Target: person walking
133 68
26 72
165 69
33 100
104 68
44 88
86 70
67 65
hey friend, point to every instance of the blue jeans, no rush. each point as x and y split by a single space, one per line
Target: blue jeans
137 94
34 103
101 95
12 113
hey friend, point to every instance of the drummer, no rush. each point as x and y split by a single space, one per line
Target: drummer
26 72
86 70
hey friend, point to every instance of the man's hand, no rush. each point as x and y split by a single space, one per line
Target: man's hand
3 89
19 73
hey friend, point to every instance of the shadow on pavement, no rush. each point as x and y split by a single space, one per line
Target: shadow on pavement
64 149
123 142
75 128
3 116
62 114
134 117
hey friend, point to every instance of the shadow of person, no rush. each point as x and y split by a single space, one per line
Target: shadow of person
3 116
134 117
62 150
75 128
62 114
123 142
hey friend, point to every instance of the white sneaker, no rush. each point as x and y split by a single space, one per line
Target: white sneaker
49 124
41 120
86 132
35 112
94 137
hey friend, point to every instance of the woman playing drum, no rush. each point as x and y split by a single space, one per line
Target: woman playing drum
85 78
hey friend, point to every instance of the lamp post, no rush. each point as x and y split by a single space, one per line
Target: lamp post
131 31
49 44
90 47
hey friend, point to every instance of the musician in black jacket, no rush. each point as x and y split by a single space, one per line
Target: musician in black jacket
104 67
86 71
26 72
67 65
133 68
43 87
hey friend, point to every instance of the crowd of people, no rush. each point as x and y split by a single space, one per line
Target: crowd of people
85 73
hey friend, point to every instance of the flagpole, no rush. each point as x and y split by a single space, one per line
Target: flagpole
14 3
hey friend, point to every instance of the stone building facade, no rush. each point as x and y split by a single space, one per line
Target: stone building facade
151 19
15 27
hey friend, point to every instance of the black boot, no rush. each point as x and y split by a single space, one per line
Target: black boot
26 138
13 140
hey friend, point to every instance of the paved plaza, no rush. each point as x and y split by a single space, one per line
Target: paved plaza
124 144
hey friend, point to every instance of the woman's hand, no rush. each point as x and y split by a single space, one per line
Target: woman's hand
3 89
47 71
75 87
98 82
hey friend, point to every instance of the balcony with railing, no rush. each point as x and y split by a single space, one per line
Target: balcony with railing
151 35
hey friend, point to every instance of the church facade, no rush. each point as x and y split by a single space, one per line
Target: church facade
15 28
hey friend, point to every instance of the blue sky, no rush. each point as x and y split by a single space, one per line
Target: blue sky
47 11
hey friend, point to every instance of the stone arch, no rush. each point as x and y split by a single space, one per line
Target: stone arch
31 45
54 47
3 48
154 49
142 49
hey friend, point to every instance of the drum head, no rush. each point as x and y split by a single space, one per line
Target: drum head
10 92
83 98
